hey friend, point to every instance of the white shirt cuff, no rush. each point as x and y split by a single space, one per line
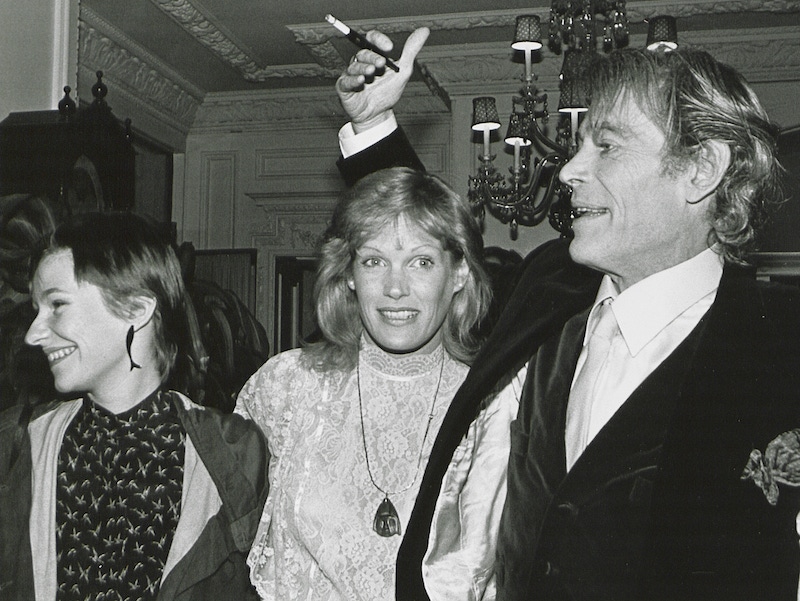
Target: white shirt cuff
351 143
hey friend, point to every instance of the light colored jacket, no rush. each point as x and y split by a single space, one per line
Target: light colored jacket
224 488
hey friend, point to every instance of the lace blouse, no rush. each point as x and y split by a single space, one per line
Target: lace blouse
315 539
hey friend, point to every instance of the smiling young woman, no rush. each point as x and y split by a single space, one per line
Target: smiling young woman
119 490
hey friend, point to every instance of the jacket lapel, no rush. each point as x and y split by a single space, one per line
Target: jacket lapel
546 394
630 444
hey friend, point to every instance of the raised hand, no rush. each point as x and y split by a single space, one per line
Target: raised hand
368 91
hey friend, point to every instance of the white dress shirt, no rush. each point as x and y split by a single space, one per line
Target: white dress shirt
654 316
351 143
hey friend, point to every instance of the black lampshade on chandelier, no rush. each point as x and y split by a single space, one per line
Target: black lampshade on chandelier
533 191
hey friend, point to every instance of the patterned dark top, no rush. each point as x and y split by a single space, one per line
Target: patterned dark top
118 498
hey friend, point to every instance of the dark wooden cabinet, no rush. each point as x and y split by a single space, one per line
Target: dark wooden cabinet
81 157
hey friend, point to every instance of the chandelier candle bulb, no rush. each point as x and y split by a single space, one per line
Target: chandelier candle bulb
528 65
487 143
573 127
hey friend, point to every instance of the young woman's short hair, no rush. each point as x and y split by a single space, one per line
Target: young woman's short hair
127 256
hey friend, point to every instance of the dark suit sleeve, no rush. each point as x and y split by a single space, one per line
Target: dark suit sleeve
393 151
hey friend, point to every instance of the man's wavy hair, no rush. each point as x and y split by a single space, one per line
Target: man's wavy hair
375 203
694 98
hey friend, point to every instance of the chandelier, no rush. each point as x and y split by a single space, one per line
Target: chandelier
533 191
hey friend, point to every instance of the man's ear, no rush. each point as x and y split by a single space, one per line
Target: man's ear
711 163
140 311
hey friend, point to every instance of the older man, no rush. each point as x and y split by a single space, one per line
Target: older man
657 369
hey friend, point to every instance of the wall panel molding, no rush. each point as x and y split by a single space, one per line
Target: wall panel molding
218 199
292 226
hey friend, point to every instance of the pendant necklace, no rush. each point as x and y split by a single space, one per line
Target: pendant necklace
387 522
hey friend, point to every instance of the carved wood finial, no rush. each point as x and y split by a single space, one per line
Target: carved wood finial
99 89
66 106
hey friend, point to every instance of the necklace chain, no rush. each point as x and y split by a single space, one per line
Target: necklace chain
424 436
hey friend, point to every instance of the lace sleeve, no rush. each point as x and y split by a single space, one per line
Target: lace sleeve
267 397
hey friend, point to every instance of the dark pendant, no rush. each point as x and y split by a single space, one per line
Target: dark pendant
386 522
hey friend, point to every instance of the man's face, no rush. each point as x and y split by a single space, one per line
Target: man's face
632 215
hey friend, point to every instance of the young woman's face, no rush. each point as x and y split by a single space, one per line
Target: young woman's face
405 281
84 342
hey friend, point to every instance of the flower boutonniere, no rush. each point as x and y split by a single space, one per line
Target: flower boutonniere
779 464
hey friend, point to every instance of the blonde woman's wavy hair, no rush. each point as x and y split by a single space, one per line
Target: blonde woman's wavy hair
378 201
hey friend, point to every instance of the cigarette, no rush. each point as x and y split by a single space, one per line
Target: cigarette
360 41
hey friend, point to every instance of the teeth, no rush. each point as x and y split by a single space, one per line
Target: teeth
398 314
60 354
581 211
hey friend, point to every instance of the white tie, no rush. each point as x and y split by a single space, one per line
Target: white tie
582 394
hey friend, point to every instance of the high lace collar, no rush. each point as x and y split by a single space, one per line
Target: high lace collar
398 366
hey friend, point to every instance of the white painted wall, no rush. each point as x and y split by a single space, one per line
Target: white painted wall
38 53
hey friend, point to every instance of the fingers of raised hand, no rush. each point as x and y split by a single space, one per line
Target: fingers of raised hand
350 83
365 62
381 40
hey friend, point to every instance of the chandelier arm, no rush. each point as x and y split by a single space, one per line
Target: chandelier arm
545 141
554 182
533 183
541 207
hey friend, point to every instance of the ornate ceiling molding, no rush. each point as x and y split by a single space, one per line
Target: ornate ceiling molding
761 56
194 19
190 15
639 11
769 54
316 37
299 108
135 72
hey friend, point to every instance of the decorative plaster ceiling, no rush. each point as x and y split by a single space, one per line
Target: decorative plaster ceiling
170 55
226 45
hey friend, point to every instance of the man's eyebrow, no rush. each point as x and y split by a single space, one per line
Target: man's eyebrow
51 290
612 127
589 128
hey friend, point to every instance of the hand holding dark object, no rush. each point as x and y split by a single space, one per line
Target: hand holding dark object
367 90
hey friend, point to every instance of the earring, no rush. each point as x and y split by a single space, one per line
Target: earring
128 343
